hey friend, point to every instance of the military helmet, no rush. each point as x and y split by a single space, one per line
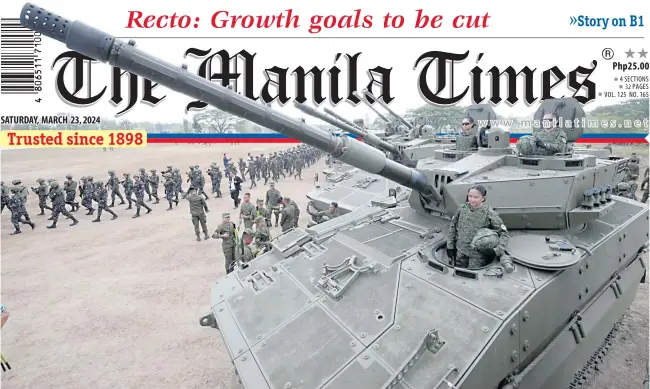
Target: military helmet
2 182
169 166
111 172
213 164
141 169
191 167
68 176
485 239
526 145
152 170
51 180
260 201
126 174
54 184
623 186
40 180
259 219
16 182
177 169
249 231
83 178
196 166
90 178
100 182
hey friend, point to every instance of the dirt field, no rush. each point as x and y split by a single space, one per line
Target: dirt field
116 304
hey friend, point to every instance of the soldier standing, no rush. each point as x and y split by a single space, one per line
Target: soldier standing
298 165
244 252
42 191
87 196
296 212
139 190
18 212
114 184
227 232
170 190
251 174
235 187
198 209
154 182
215 178
128 189
470 219
263 212
288 214
58 205
247 211
144 181
101 197
242 168
273 197
262 233
70 189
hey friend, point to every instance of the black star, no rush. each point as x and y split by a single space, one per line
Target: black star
642 53
630 54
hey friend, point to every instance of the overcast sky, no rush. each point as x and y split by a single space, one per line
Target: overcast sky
400 54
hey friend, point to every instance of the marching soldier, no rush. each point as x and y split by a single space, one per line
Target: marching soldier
114 184
128 189
5 196
101 197
70 189
87 196
58 205
144 181
18 212
170 190
139 188
198 209
154 182
298 165
42 191
227 232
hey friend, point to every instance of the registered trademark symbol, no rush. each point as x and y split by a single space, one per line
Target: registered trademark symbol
608 53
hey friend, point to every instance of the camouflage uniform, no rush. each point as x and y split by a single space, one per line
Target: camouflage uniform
463 228
5 196
198 208
298 165
128 189
154 182
262 231
88 194
252 172
261 211
70 189
323 216
18 212
543 142
178 181
623 190
113 184
144 180
215 178
170 190
272 202
288 217
244 253
246 213
101 197
229 242
466 142
296 215
42 191
139 188
58 205
22 191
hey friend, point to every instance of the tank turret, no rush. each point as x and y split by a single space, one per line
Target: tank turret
529 192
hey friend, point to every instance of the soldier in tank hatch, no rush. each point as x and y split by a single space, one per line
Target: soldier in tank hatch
549 140
466 140
477 234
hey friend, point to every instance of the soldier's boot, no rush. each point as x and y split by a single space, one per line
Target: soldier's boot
31 224
53 225
97 219
42 212
170 205
206 236
16 232
148 209
157 200
114 216
50 218
198 237
90 211
129 207
112 204
76 207
74 222
137 214
206 195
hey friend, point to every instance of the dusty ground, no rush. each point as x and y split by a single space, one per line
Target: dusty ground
116 304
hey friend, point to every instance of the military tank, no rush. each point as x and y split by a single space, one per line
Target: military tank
370 300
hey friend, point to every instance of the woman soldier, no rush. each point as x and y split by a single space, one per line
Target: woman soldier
477 235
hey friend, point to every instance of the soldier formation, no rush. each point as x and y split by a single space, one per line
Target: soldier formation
137 190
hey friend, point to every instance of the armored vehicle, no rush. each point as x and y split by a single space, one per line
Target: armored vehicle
370 300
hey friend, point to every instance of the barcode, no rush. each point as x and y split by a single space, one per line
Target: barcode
20 71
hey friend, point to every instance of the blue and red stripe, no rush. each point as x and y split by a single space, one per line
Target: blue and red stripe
281 138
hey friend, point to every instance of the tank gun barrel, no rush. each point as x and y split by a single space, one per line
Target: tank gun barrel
370 139
384 118
341 118
89 41
401 119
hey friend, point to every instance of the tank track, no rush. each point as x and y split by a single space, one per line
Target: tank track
583 376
